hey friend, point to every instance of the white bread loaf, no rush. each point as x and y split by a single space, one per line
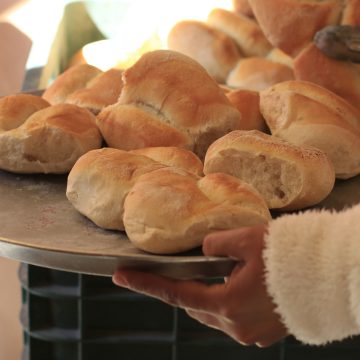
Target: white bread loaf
216 51
256 73
340 77
248 104
291 24
174 157
167 211
86 86
168 99
289 177
246 32
101 179
307 114
49 140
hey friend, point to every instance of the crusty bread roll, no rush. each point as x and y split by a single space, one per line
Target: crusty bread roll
103 90
307 114
351 14
340 77
86 86
213 49
246 32
173 156
101 179
167 211
74 78
248 104
15 109
50 140
291 24
289 177
255 73
242 7
168 100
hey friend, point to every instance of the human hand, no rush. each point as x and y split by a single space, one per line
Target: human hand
240 307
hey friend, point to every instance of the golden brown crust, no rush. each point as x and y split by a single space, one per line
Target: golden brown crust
15 109
340 77
167 211
242 7
213 49
351 14
173 156
255 73
49 141
289 177
101 179
171 92
248 104
129 127
246 32
102 90
279 56
291 25
307 114
73 79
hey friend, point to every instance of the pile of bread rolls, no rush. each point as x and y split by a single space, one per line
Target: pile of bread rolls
209 135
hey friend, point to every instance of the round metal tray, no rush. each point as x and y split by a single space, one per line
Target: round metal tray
39 226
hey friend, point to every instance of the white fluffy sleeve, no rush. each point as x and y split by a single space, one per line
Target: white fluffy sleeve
312 263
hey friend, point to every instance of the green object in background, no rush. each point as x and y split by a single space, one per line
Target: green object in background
76 29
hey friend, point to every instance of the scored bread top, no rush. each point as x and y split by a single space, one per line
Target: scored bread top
167 211
173 92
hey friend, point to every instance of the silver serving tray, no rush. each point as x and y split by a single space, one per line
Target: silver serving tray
39 226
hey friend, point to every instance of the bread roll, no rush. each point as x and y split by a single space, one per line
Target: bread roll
242 7
103 90
246 32
291 24
15 109
168 100
86 86
173 156
49 141
255 73
307 114
72 79
289 177
167 211
101 179
248 104
340 77
213 49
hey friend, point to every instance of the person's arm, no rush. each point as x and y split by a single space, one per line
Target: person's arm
312 263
